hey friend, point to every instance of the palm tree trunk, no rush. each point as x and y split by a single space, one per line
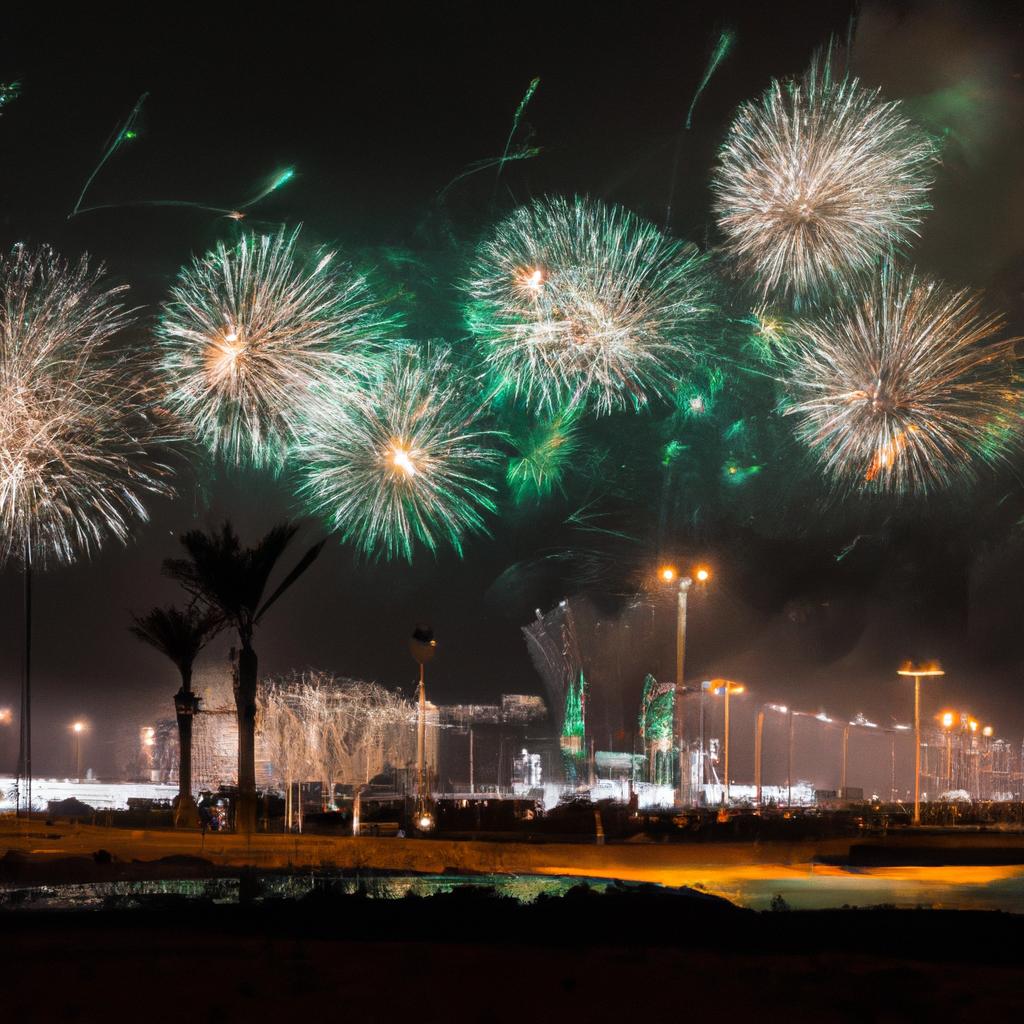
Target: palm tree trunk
245 704
186 814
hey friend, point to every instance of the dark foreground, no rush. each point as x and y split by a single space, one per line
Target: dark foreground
633 953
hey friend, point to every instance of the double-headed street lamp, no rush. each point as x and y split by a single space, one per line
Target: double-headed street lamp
668 574
918 672
728 687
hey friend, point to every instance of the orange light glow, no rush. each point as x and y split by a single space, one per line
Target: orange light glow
532 279
948 718
667 573
702 575
930 668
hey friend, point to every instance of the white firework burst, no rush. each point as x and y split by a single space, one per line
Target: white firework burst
583 304
817 180
904 391
251 329
82 441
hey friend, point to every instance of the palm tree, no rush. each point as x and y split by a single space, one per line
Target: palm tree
181 635
230 580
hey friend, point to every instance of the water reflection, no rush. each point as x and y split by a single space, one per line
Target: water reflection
803 887
122 895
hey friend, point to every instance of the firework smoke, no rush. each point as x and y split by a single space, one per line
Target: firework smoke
578 303
817 180
904 391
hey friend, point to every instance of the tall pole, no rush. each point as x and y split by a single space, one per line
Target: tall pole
728 689
842 770
421 730
703 772
892 766
917 750
789 763
677 707
759 754
471 789
25 735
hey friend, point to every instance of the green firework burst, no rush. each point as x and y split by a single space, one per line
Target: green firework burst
402 462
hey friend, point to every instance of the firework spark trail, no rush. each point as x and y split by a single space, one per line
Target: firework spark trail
406 463
720 52
250 330
530 90
527 153
906 390
121 135
817 180
81 436
582 303
237 213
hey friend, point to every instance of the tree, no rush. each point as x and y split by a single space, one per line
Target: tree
180 635
230 581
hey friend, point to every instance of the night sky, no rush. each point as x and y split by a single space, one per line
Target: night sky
377 110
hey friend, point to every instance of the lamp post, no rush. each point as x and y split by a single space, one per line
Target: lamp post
668 574
728 687
918 672
6 718
758 755
860 721
77 728
423 647
948 720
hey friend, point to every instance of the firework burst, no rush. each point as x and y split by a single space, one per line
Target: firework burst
544 456
404 464
579 303
817 180
906 390
250 330
79 435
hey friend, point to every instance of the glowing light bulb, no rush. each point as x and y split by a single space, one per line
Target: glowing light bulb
668 574
702 575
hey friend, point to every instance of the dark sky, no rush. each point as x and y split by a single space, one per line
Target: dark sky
379 108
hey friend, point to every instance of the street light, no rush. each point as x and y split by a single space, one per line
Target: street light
423 647
77 728
669 574
6 718
949 719
728 687
918 671
858 721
